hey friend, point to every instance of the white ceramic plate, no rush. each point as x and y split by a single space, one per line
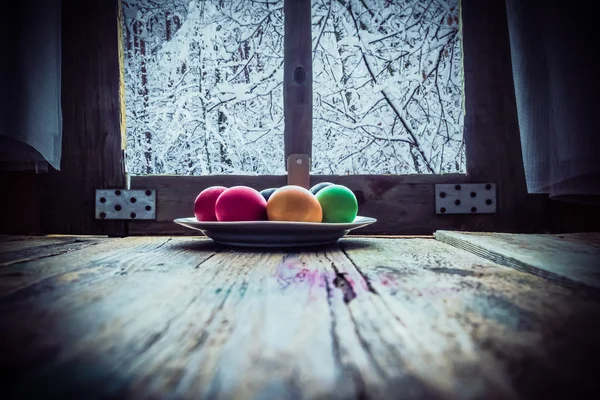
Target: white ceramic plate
274 233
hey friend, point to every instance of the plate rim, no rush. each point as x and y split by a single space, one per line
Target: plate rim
236 233
209 224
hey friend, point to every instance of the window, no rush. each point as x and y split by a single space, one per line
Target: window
402 202
388 87
204 87
92 98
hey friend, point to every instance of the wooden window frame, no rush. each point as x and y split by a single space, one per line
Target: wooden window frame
403 204
93 143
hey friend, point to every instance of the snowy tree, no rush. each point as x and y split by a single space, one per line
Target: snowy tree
204 87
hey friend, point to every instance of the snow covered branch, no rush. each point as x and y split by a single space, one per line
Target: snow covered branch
204 86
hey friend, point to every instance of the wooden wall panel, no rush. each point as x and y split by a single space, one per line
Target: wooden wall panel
491 133
92 156
20 203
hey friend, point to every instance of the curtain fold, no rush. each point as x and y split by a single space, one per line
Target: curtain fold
30 85
553 50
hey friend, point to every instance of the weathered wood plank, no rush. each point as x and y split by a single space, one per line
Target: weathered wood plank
35 249
369 342
239 325
104 256
59 315
416 342
162 228
374 318
265 335
17 242
569 258
471 328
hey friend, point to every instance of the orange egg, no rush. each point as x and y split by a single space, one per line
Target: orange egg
294 203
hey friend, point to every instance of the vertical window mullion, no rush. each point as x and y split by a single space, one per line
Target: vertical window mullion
297 78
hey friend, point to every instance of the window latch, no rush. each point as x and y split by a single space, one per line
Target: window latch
298 170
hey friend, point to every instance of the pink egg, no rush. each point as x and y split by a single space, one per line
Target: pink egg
241 203
204 206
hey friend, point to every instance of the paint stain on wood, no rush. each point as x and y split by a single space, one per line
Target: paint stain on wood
345 285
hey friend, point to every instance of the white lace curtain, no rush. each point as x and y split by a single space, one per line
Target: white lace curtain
554 49
30 65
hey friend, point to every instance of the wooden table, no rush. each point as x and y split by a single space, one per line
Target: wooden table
174 317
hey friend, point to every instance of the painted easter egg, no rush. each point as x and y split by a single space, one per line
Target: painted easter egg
294 203
266 193
338 203
240 203
315 189
204 205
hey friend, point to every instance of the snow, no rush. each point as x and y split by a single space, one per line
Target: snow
204 91
349 41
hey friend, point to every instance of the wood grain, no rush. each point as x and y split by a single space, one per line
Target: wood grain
264 335
189 345
29 249
17 242
85 299
469 328
569 258
160 317
105 255
491 132
92 156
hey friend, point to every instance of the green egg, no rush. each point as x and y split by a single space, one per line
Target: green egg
338 203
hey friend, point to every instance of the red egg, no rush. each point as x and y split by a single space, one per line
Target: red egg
204 206
241 203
